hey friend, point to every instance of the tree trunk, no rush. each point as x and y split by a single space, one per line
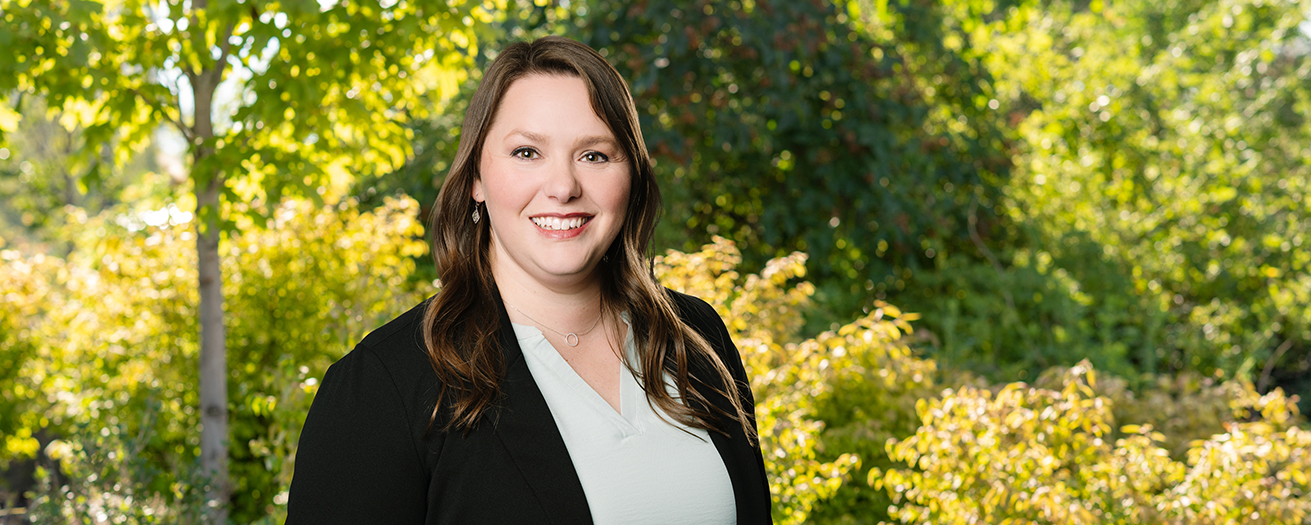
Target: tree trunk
213 334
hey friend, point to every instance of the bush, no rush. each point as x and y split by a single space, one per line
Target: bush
102 476
118 338
1025 454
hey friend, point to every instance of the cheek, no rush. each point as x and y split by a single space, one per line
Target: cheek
622 198
622 192
491 183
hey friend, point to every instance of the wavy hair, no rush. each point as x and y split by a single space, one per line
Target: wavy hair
461 324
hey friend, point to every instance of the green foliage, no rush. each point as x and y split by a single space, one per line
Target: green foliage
880 138
307 287
1174 141
870 400
272 99
41 172
825 404
1023 454
118 335
1045 182
785 127
101 476
1184 408
25 290
316 91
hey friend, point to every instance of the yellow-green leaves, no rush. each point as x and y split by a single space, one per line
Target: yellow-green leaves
107 339
1024 454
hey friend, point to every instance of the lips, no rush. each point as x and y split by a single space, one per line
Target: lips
561 223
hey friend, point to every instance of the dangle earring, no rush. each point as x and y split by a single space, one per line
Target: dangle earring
476 215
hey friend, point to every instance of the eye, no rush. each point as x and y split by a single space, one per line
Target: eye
595 157
524 153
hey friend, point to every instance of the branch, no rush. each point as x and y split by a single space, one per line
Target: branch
1001 273
978 243
176 122
225 45
1270 365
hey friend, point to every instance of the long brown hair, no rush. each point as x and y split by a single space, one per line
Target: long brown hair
461 324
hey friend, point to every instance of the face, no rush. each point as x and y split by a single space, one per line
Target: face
555 183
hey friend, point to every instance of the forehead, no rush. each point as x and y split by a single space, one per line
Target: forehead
547 105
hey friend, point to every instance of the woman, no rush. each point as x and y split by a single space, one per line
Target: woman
552 379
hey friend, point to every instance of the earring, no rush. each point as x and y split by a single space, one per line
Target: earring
476 216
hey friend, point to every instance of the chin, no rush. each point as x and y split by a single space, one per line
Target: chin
567 269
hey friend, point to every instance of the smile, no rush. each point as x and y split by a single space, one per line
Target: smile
560 223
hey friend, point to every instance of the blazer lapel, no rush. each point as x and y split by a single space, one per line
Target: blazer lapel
528 432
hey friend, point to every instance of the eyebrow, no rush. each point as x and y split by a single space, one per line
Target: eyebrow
590 140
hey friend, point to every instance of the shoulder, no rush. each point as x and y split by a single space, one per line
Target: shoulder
403 332
397 350
388 359
387 371
363 440
385 383
694 311
394 347
703 318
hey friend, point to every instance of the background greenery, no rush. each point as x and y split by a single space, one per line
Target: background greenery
1094 208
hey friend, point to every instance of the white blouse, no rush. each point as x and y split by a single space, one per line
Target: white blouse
635 467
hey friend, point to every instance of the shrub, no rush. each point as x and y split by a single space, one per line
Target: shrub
1023 454
119 335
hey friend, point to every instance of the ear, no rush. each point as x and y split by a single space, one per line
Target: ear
477 191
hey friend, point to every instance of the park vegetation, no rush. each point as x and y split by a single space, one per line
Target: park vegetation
986 261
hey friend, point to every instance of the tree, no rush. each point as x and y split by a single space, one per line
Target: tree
292 97
794 126
1171 143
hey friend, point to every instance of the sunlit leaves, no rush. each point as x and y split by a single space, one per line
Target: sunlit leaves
303 86
1022 454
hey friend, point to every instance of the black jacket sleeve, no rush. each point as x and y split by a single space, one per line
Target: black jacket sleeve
357 461
752 491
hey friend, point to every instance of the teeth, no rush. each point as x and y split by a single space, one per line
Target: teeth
556 223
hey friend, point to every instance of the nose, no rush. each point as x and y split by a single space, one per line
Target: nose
562 182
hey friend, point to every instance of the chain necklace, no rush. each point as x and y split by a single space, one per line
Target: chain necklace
570 338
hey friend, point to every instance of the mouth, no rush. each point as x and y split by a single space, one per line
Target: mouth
561 223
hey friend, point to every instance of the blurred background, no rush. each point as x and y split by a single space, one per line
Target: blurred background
1103 200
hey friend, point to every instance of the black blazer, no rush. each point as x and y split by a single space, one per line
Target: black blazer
366 456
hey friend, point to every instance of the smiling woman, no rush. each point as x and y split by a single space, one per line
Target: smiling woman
552 379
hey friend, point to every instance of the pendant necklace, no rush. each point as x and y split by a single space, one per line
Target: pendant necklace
570 338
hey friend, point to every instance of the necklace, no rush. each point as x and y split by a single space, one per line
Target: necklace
570 338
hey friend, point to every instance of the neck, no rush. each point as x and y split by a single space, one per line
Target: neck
568 307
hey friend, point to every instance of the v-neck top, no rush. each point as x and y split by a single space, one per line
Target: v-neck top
635 466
